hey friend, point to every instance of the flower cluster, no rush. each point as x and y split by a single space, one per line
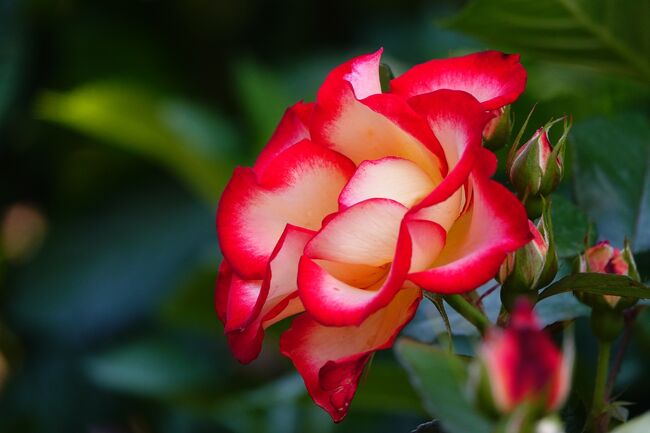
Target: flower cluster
359 202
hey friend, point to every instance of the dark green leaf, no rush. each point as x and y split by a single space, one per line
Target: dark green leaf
612 176
570 226
439 377
601 34
602 284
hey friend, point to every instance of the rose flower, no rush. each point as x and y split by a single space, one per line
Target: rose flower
358 202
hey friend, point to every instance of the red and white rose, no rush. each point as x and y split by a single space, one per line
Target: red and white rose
360 201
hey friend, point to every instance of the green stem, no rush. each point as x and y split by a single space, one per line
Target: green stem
602 371
469 311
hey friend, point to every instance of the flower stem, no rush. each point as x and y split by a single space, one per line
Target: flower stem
602 370
469 311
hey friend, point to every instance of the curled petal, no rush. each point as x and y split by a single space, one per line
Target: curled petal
494 78
364 126
331 359
456 119
300 188
494 224
346 273
254 305
291 130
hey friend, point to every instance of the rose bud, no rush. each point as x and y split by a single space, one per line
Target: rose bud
602 258
531 267
523 366
536 168
607 310
498 130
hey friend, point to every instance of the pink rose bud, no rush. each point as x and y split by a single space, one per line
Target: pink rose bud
602 258
531 267
497 131
524 366
536 168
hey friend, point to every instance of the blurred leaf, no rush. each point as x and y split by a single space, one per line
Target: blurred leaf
640 424
601 284
612 176
152 367
263 97
439 377
607 35
570 226
190 141
386 389
97 275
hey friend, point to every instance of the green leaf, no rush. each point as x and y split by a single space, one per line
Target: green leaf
570 226
600 284
612 176
607 35
640 424
190 141
439 377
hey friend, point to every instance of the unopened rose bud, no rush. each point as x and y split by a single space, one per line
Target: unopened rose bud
523 365
602 258
497 131
536 168
606 314
531 267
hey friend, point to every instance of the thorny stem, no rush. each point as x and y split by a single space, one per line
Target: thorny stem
469 311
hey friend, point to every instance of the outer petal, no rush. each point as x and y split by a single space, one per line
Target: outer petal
393 178
253 305
457 120
291 130
300 188
378 126
494 78
494 224
331 359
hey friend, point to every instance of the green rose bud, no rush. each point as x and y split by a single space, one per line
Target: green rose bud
532 266
536 168
497 131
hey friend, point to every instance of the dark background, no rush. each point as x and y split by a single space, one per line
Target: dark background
121 121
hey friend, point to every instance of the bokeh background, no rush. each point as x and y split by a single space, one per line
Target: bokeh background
121 121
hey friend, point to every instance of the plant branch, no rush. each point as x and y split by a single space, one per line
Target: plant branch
469 311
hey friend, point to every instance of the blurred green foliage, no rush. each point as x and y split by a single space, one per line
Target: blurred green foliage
120 123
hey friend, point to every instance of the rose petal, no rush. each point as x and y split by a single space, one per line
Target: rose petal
378 126
494 224
331 359
291 130
300 188
494 78
397 179
253 305
457 120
